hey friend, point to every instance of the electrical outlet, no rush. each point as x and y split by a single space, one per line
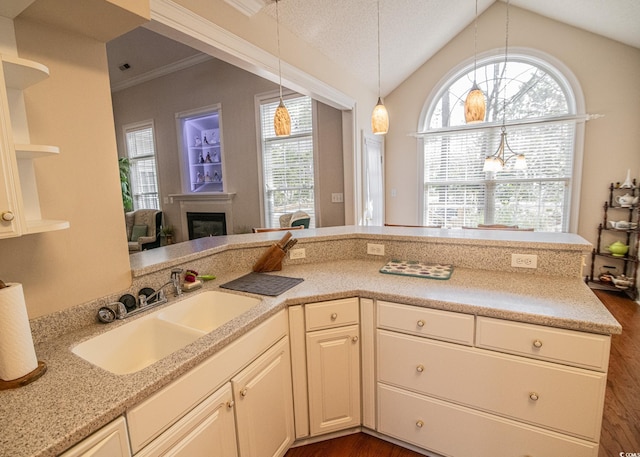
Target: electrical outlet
299 253
375 249
337 198
524 260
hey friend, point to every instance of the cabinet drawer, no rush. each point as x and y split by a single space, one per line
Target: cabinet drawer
154 415
557 397
569 347
439 426
328 314
432 323
110 441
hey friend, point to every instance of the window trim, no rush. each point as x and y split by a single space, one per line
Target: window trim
139 126
273 96
550 64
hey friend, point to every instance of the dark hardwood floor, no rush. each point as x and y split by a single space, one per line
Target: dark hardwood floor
621 421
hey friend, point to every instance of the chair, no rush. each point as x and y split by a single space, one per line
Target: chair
499 227
276 229
299 218
143 229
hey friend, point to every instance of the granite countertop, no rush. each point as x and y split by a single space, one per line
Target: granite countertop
74 398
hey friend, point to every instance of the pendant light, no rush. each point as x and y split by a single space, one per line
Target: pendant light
497 161
379 117
281 120
475 106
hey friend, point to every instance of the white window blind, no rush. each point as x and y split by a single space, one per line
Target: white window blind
143 173
540 123
287 162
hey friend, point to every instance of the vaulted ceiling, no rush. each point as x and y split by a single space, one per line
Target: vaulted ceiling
411 32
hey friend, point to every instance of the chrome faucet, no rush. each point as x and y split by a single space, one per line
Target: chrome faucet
159 297
117 310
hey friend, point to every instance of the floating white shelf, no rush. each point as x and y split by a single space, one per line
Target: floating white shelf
35 151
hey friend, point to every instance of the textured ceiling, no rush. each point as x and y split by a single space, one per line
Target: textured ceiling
411 31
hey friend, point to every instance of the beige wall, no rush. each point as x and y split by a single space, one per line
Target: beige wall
607 71
234 89
71 109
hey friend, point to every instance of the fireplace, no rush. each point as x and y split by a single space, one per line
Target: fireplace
206 224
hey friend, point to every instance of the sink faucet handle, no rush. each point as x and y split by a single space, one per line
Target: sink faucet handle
176 271
142 300
121 310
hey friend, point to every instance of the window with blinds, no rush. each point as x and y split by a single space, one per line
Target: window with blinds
143 172
287 162
539 124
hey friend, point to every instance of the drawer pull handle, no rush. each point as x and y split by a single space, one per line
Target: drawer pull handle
334 316
230 404
243 392
537 343
420 368
533 396
420 323
354 339
419 424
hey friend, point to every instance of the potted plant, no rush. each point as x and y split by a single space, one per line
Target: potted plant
167 233
127 200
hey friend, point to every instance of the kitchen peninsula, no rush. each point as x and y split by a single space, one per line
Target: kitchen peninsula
485 294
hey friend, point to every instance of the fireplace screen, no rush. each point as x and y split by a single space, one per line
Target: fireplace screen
206 224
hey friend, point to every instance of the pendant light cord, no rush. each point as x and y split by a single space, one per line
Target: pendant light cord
378 48
278 36
506 47
475 44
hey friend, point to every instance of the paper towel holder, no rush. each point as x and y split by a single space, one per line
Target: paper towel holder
26 379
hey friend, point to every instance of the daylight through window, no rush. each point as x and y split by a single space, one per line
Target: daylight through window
143 173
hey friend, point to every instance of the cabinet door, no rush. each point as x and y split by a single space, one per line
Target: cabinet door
8 172
207 431
109 441
264 404
333 370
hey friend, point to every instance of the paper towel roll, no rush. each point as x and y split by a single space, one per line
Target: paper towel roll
17 355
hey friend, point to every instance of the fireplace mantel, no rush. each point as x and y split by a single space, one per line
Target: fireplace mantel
204 202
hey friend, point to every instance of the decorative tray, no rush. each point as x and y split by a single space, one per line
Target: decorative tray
417 269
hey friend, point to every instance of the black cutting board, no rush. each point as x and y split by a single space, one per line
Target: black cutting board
262 284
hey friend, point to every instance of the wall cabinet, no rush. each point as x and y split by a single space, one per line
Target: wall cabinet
200 137
20 212
326 366
110 441
511 398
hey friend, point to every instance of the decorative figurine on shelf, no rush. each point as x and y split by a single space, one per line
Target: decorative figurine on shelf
216 177
216 156
208 158
205 139
627 184
207 177
198 141
201 159
199 177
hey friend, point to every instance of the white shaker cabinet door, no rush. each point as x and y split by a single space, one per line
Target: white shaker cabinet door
264 404
110 441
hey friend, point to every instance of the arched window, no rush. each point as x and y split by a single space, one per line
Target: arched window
538 107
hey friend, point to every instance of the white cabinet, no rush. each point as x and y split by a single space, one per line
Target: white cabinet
432 391
110 441
264 404
200 140
326 366
207 431
20 212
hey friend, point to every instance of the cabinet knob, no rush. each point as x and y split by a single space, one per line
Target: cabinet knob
7 216
420 368
537 343
230 404
243 392
420 323
533 396
354 339
334 316
419 424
